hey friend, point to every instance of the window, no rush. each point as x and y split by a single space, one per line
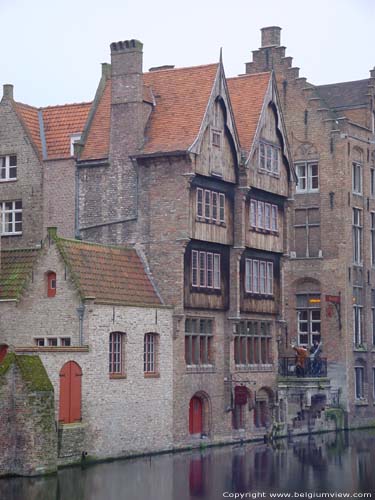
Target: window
308 318
263 216
8 168
65 341
359 382
150 353
51 284
205 270
307 232
11 217
373 316
73 139
308 177
210 206
52 342
216 138
357 177
116 354
357 315
372 182
39 342
258 277
252 343
357 236
372 238
269 158
198 341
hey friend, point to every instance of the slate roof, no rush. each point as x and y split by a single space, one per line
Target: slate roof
111 275
59 122
181 96
16 269
247 94
345 94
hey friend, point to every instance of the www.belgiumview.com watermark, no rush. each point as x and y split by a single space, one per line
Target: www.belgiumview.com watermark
295 494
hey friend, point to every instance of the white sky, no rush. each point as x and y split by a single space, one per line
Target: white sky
51 50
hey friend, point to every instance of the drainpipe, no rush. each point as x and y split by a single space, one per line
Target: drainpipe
81 311
76 212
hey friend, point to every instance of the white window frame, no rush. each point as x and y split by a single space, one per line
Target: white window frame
222 208
258 218
372 239
6 167
274 218
309 309
258 277
210 206
253 214
267 216
359 382
357 177
73 139
199 199
216 138
357 236
12 211
248 275
372 182
269 158
205 270
307 176
207 205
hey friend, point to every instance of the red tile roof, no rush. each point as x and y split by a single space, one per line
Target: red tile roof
97 141
60 122
247 95
112 275
181 97
181 100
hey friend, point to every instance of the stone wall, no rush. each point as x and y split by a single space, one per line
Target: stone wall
28 440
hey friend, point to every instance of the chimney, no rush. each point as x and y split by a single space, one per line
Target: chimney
8 91
271 36
126 63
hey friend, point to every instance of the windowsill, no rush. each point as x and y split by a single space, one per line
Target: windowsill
5 235
210 222
360 348
264 231
212 291
357 194
8 180
361 402
113 376
52 349
200 369
272 174
307 258
266 367
259 296
313 191
151 375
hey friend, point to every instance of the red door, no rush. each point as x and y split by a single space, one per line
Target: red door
70 393
195 416
3 352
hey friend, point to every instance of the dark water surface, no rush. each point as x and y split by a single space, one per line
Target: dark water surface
309 466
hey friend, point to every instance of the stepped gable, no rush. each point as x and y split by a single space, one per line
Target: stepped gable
111 275
247 94
181 97
16 270
345 94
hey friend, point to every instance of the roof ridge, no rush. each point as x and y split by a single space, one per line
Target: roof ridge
341 83
180 69
94 244
83 103
247 75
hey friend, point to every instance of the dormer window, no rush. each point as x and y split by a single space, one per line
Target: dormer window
8 168
216 138
51 284
269 158
73 139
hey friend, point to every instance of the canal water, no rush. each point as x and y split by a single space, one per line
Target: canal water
304 467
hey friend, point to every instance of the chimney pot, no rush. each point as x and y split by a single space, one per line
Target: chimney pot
8 91
271 36
127 46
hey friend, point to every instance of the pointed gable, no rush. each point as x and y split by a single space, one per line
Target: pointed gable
181 97
29 117
247 94
111 275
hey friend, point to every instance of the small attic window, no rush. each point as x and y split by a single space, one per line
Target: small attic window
51 284
216 138
73 139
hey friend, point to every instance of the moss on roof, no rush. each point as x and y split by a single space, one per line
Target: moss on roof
32 371
16 269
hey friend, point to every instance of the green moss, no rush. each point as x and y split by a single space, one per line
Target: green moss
7 361
336 414
34 373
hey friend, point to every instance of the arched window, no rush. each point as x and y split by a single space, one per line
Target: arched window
51 284
70 393
116 353
150 361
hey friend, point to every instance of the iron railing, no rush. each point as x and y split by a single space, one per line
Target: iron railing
312 367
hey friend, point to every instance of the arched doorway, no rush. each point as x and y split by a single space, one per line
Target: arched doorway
196 415
263 407
70 393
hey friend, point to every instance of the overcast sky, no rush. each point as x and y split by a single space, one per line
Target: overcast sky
51 50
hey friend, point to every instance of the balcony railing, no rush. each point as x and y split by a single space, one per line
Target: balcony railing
312 368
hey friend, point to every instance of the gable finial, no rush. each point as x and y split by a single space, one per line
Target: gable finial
221 55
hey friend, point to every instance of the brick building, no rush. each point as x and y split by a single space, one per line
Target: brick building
194 170
95 320
329 280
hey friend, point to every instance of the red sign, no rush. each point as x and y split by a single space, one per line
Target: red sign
240 395
334 299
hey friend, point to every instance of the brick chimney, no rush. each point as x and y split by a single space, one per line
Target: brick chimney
126 63
271 36
7 91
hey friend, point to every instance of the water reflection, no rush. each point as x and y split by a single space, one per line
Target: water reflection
326 463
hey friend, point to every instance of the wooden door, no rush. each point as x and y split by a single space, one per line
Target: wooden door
195 416
70 393
3 352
